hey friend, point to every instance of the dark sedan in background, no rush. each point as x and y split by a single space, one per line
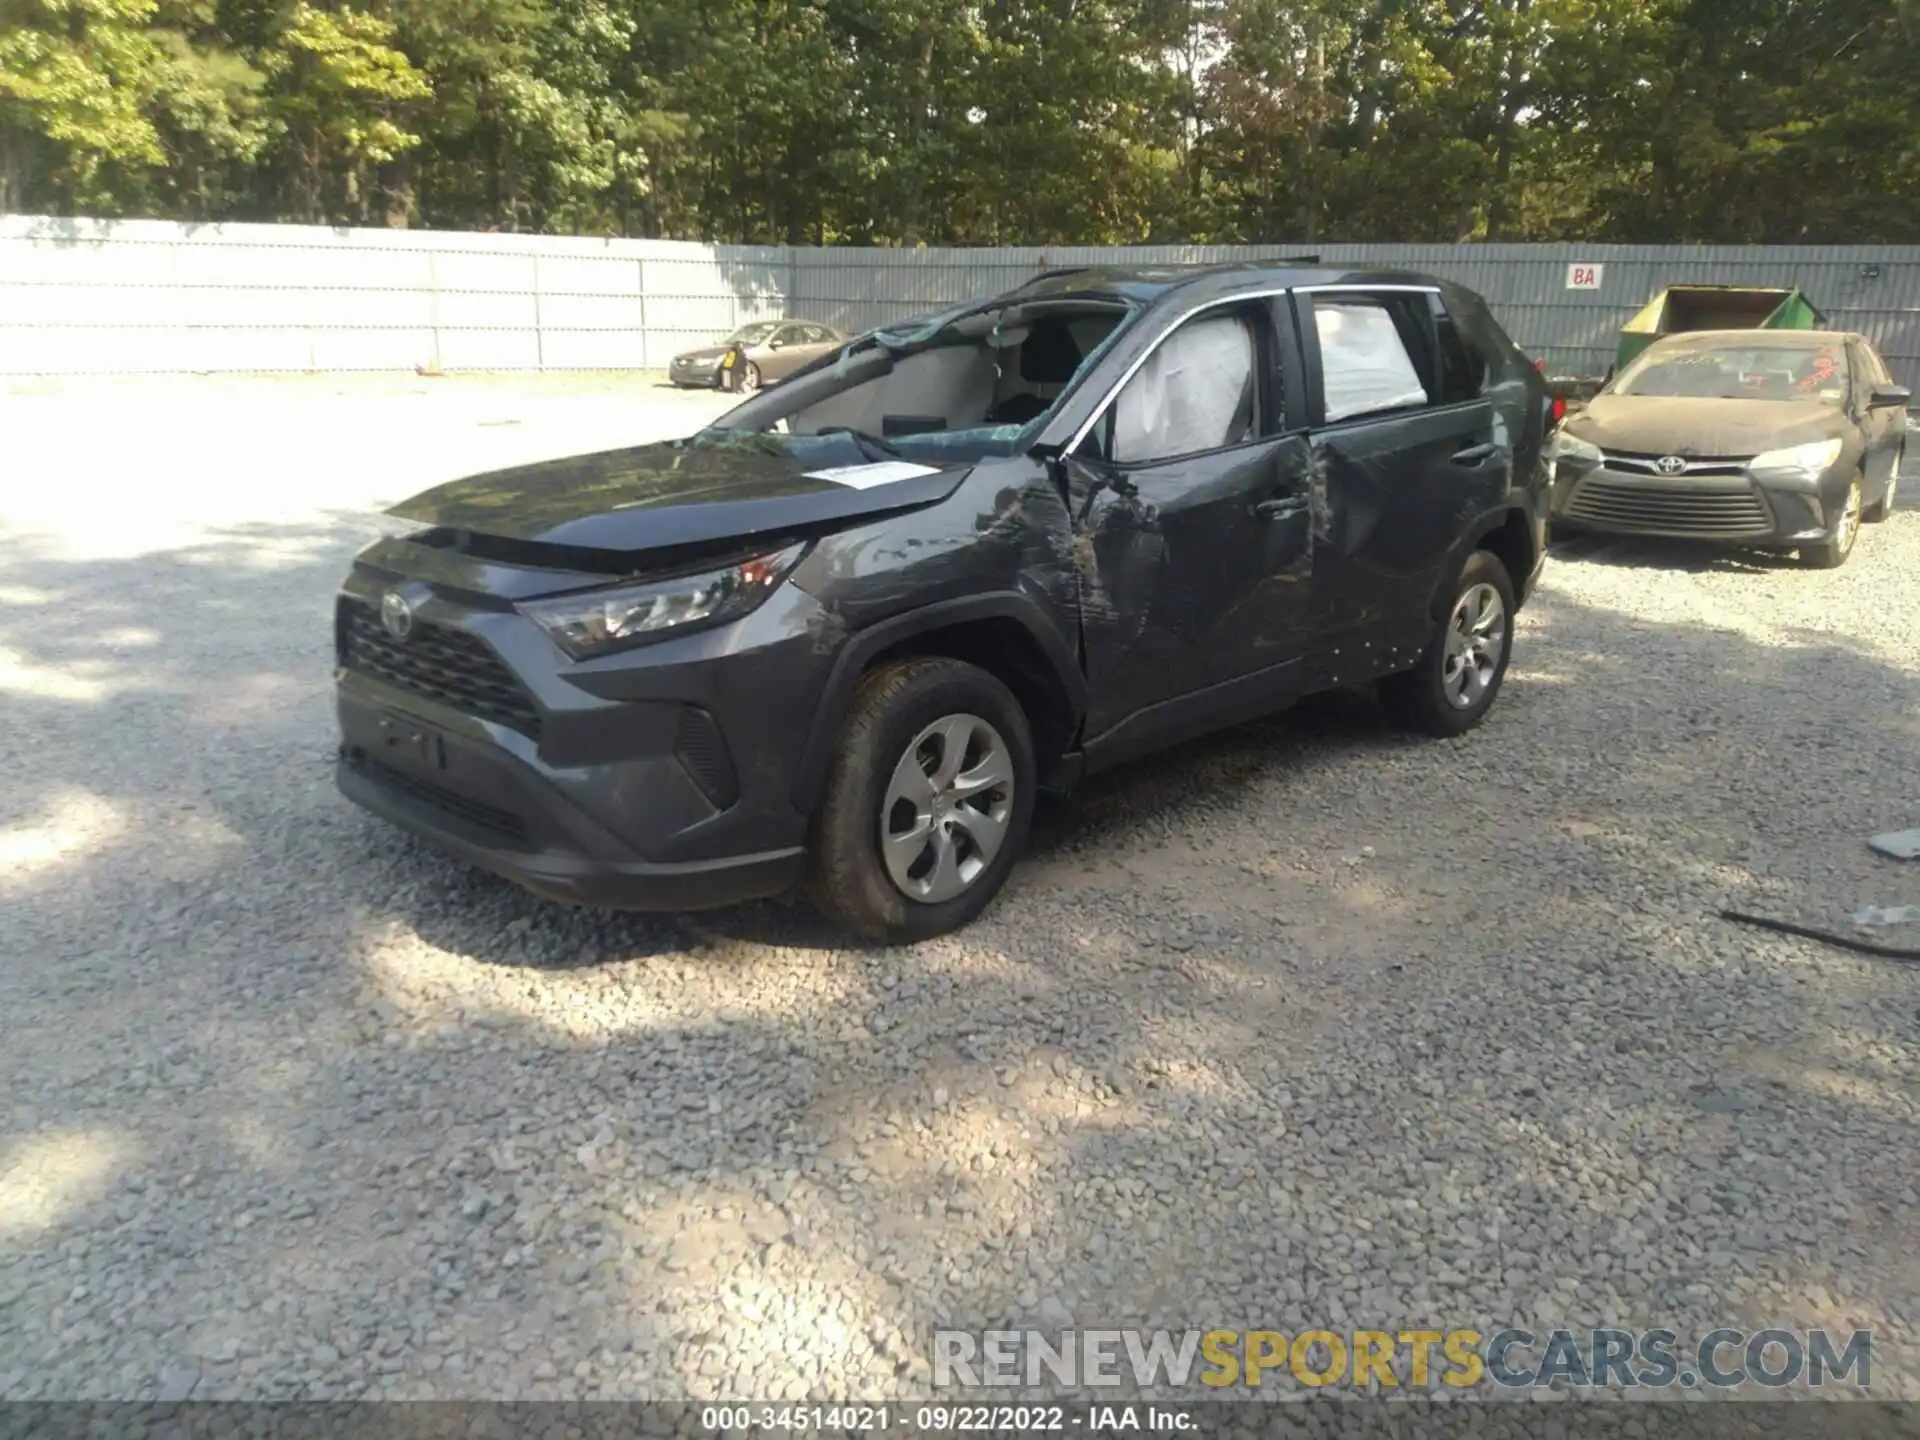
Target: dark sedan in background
769 350
1778 440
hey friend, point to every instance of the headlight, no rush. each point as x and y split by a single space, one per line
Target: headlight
595 622
1571 447
1797 464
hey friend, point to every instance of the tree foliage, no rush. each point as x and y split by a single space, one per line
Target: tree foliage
978 122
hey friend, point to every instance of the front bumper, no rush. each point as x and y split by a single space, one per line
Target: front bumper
704 375
1730 508
540 842
657 779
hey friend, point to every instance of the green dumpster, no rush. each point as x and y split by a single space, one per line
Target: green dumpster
1716 307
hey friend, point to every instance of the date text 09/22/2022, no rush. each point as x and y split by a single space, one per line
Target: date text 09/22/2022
948 1418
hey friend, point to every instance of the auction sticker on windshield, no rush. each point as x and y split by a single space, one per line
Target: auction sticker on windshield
865 477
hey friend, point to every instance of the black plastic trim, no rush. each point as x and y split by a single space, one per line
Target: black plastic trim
837 695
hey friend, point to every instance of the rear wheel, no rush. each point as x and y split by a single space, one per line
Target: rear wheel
1832 554
1454 685
927 804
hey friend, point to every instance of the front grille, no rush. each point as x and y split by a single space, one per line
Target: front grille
1671 510
1635 463
490 818
450 666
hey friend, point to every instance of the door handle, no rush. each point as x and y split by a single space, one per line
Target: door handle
1474 454
1280 507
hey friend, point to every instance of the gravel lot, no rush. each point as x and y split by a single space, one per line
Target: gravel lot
1307 1024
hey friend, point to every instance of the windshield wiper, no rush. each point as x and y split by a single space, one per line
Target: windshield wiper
862 438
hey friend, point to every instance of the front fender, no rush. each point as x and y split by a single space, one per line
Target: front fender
860 649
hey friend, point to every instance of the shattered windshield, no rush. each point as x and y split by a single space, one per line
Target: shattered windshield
1717 370
952 388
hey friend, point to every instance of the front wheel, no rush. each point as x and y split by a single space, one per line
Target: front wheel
749 381
927 804
1454 685
1832 554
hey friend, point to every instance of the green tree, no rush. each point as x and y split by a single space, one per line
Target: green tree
988 122
75 80
341 93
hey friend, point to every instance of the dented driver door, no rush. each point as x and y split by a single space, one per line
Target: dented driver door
1193 539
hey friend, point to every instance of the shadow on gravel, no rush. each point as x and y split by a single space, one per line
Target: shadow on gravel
1260 1036
1693 557
1149 797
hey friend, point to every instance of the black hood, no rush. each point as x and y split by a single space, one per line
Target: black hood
1678 425
677 493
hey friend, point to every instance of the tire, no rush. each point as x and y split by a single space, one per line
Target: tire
749 382
1883 507
910 714
1429 697
1832 554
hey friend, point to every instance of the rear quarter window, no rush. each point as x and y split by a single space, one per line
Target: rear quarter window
1503 359
1460 360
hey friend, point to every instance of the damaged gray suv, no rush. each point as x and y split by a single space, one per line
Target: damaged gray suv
842 638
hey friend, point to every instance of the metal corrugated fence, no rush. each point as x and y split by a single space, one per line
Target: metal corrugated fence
144 296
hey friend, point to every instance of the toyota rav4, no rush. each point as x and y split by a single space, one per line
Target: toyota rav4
842 638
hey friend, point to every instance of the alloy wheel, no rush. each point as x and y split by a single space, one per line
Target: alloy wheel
947 807
1476 639
1848 530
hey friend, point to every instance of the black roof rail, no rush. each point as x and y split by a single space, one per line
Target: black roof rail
1048 274
1269 260
1054 271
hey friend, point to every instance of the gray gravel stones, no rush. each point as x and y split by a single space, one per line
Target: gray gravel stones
1304 1024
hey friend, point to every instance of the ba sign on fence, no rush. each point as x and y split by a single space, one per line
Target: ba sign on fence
1584 277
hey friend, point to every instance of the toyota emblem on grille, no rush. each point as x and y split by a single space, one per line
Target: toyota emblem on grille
1669 464
396 615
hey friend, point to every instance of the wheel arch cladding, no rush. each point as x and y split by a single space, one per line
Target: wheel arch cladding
1000 634
1509 540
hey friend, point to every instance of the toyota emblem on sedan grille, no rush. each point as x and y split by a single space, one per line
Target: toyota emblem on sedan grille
396 615
1669 464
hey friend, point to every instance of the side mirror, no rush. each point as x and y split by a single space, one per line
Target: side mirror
1889 397
776 343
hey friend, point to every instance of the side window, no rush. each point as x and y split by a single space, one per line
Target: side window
1198 390
1462 369
790 335
1367 355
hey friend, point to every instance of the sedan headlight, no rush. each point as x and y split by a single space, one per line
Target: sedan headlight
1797 464
1571 447
595 622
